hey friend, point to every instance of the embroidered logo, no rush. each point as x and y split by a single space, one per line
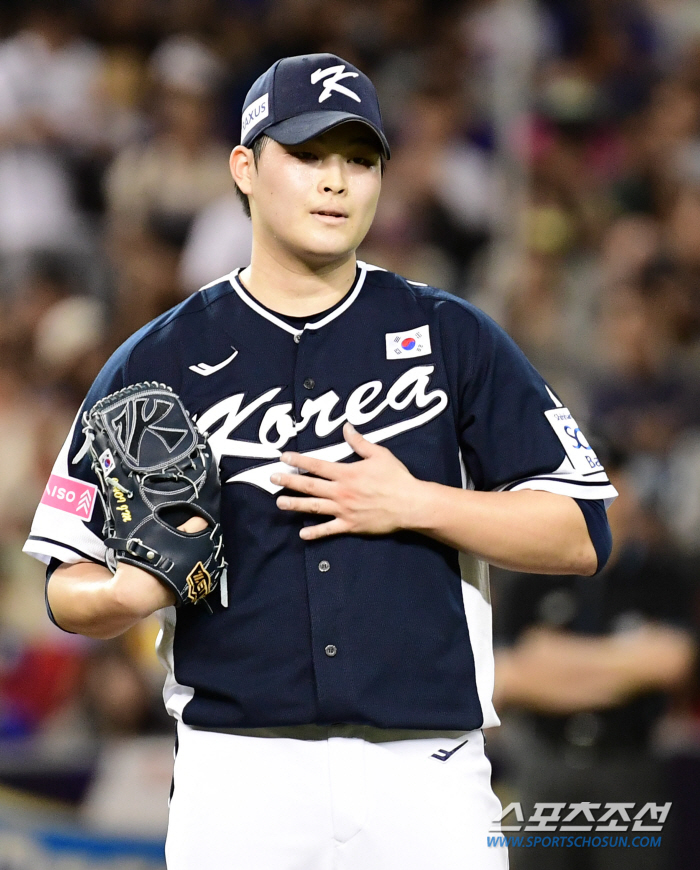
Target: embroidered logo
198 583
332 76
444 755
404 345
122 507
205 369
70 495
142 416
277 426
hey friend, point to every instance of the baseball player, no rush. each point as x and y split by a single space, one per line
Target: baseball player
378 443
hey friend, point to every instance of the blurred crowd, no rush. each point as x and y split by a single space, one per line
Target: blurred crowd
545 165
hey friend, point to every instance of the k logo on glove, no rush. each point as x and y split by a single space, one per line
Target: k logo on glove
156 471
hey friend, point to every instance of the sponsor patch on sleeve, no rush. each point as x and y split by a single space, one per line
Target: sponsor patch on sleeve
578 450
413 342
70 495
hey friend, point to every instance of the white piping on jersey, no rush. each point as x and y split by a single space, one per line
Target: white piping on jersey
467 482
476 601
44 551
175 695
268 315
223 588
462 470
602 492
251 303
567 474
348 302
226 277
566 481
477 613
557 403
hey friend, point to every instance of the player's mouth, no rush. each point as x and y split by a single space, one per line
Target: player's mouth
330 215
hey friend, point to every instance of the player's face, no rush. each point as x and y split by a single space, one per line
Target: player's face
317 200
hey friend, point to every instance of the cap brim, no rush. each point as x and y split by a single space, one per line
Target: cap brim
301 128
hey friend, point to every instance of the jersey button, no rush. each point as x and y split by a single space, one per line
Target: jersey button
331 650
324 566
309 383
297 337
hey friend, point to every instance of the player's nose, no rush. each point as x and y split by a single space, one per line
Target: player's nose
333 179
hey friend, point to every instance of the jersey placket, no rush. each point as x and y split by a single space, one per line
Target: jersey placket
324 563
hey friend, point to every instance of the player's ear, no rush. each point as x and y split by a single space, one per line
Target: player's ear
242 164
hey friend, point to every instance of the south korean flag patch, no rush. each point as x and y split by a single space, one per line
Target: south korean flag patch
106 461
413 342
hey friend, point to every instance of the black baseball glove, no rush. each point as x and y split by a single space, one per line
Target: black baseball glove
156 471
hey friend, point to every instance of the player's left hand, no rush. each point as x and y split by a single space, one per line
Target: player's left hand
369 497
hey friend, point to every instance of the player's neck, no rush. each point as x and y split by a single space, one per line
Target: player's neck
289 286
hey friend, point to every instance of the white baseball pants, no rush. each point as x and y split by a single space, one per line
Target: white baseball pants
340 798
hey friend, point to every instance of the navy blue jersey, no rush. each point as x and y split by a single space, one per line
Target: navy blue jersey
392 630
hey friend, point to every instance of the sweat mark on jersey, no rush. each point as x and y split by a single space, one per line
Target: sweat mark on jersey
278 427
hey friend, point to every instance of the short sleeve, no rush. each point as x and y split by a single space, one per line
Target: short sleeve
514 431
68 522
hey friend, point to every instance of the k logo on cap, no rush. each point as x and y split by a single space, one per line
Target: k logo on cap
331 84
285 102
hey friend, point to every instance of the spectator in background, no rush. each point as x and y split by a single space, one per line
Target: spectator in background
158 187
436 212
51 328
647 399
48 117
629 243
46 281
590 663
219 240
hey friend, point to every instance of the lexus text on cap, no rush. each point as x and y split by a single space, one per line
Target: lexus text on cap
301 97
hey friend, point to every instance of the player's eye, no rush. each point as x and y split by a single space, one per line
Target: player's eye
304 155
365 161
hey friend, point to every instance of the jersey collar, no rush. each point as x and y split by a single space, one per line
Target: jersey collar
351 296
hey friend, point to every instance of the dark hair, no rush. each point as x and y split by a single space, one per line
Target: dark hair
256 148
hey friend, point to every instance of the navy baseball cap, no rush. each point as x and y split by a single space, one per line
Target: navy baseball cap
301 97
